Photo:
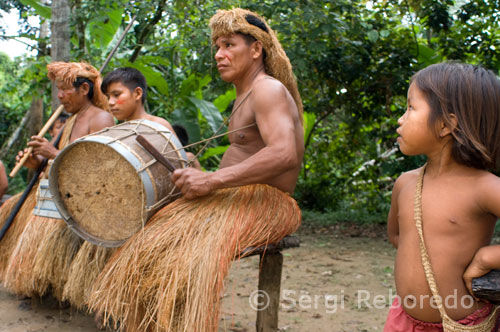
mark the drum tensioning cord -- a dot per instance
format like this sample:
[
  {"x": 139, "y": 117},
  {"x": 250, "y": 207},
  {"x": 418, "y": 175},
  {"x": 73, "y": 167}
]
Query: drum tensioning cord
[
  {"x": 28, "y": 189},
  {"x": 215, "y": 134}
]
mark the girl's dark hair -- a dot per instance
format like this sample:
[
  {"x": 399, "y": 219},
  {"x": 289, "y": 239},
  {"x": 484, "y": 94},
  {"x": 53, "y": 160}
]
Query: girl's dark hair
[
  {"x": 130, "y": 77},
  {"x": 80, "y": 80},
  {"x": 472, "y": 95}
]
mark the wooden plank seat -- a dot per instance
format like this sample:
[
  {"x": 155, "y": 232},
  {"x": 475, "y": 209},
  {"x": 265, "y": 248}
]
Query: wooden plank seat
[{"x": 271, "y": 265}]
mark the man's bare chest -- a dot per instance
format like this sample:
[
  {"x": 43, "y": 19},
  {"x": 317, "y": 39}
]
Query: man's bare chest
[{"x": 243, "y": 128}]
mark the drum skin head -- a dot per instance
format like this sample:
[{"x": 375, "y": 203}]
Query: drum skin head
[{"x": 106, "y": 184}]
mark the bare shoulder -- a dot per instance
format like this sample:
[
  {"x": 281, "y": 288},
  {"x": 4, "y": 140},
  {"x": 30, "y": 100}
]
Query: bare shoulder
[
  {"x": 270, "y": 94},
  {"x": 161, "y": 121},
  {"x": 486, "y": 182},
  {"x": 98, "y": 113},
  {"x": 406, "y": 179},
  {"x": 269, "y": 89},
  {"x": 487, "y": 191},
  {"x": 99, "y": 119}
]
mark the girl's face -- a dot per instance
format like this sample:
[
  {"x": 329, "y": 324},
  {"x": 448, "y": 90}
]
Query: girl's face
[{"x": 415, "y": 136}]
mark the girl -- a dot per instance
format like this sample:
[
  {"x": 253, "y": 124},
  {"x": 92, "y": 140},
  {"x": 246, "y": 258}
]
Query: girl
[{"x": 443, "y": 215}]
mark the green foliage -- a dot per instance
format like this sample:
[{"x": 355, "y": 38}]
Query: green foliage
[
  {"x": 40, "y": 9},
  {"x": 353, "y": 61}
]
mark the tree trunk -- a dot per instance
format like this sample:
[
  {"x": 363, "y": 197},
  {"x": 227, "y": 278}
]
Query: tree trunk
[
  {"x": 59, "y": 38},
  {"x": 35, "y": 117}
]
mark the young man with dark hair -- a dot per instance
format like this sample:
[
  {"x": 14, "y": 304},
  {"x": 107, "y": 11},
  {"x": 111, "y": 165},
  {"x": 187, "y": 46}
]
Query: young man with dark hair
[{"x": 126, "y": 89}]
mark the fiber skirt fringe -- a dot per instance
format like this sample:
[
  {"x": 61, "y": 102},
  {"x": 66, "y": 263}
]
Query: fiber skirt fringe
[
  {"x": 9, "y": 241},
  {"x": 42, "y": 258},
  {"x": 169, "y": 276},
  {"x": 85, "y": 268}
]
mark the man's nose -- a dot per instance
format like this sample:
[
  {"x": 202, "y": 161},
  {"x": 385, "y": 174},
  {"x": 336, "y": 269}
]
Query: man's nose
[
  {"x": 219, "y": 55},
  {"x": 60, "y": 94}
]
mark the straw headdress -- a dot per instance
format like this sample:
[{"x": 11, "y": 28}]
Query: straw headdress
[
  {"x": 68, "y": 72},
  {"x": 276, "y": 62}
]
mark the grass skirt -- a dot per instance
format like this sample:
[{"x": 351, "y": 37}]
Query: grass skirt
[
  {"x": 42, "y": 258},
  {"x": 169, "y": 276},
  {"x": 85, "y": 267},
  {"x": 9, "y": 241}
]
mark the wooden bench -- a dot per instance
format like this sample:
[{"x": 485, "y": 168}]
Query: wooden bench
[{"x": 271, "y": 265}]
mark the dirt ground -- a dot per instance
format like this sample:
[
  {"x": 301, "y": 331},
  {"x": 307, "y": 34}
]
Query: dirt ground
[{"x": 340, "y": 279}]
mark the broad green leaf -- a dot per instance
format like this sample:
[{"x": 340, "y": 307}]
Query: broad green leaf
[
  {"x": 427, "y": 56},
  {"x": 223, "y": 101},
  {"x": 209, "y": 112},
  {"x": 42, "y": 10},
  {"x": 309, "y": 119},
  {"x": 188, "y": 118},
  {"x": 153, "y": 78},
  {"x": 372, "y": 35},
  {"x": 218, "y": 150},
  {"x": 189, "y": 85},
  {"x": 104, "y": 28}
]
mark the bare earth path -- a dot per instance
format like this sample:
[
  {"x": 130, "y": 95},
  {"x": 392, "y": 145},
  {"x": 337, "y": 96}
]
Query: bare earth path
[{"x": 340, "y": 279}]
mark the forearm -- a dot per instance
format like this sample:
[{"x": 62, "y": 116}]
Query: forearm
[
  {"x": 4, "y": 184},
  {"x": 394, "y": 240},
  {"x": 487, "y": 258},
  {"x": 261, "y": 167}
]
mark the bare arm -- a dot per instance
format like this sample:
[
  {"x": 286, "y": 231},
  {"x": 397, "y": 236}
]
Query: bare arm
[
  {"x": 275, "y": 122},
  {"x": 392, "y": 219},
  {"x": 276, "y": 127},
  {"x": 4, "y": 184},
  {"x": 486, "y": 258}
]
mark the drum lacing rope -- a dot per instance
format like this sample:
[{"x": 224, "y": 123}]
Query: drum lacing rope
[
  {"x": 206, "y": 141},
  {"x": 215, "y": 135},
  {"x": 449, "y": 325}
]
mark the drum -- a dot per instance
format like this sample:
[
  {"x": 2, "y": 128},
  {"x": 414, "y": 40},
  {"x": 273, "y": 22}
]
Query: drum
[
  {"x": 45, "y": 206},
  {"x": 106, "y": 185}
]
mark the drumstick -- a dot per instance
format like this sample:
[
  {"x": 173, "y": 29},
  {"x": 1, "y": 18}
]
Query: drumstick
[
  {"x": 157, "y": 154},
  {"x": 42, "y": 132}
]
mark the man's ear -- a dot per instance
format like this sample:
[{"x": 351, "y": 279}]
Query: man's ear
[
  {"x": 84, "y": 88},
  {"x": 447, "y": 128},
  {"x": 138, "y": 93},
  {"x": 257, "y": 49}
]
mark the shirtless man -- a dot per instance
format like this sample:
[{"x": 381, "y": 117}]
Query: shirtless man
[
  {"x": 79, "y": 92},
  {"x": 271, "y": 151}
]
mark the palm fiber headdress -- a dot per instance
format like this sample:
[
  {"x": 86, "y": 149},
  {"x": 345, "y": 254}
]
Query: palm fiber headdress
[
  {"x": 277, "y": 64},
  {"x": 68, "y": 72}
]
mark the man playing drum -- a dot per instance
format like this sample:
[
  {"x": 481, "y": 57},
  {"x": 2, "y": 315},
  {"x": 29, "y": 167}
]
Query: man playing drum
[
  {"x": 126, "y": 89},
  {"x": 41, "y": 242},
  {"x": 169, "y": 277}
]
